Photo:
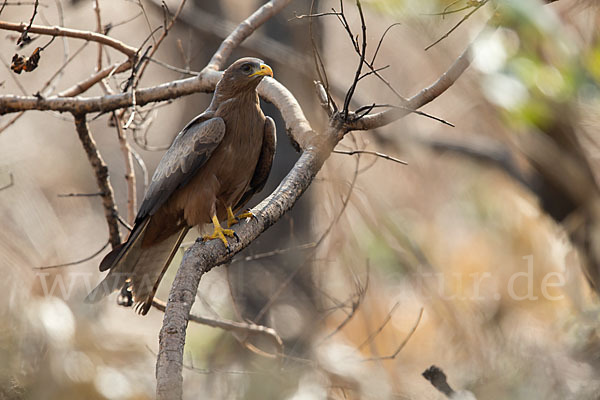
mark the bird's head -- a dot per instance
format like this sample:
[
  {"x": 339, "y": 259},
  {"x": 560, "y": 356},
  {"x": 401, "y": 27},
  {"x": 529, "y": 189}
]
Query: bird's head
[{"x": 246, "y": 73}]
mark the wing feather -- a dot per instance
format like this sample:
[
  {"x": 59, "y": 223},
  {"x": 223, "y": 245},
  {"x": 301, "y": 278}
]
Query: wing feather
[{"x": 190, "y": 150}]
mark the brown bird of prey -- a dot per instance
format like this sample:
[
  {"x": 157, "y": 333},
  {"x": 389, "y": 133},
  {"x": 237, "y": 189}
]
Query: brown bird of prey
[{"x": 214, "y": 166}]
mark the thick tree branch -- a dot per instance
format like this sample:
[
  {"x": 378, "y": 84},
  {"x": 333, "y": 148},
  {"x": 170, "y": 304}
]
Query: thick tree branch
[
  {"x": 202, "y": 257},
  {"x": 101, "y": 172},
  {"x": 205, "y": 82},
  {"x": 245, "y": 29}
]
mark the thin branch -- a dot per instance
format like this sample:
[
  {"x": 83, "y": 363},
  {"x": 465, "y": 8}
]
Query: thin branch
[
  {"x": 10, "y": 183},
  {"x": 271, "y": 253},
  {"x": 241, "y": 328},
  {"x": 404, "y": 342},
  {"x": 186, "y": 71},
  {"x": 362, "y": 53},
  {"x": 99, "y": 30},
  {"x": 61, "y": 70},
  {"x": 360, "y": 295},
  {"x": 374, "y": 334},
  {"x": 129, "y": 171},
  {"x": 140, "y": 162},
  {"x": 314, "y": 15},
  {"x": 84, "y": 85},
  {"x": 323, "y": 83},
  {"x": 22, "y": 3},
  {"x": 466, "y": 17},
  {"x": 373, "y": 153},
  {"x": 101, "y": 172},
  {"x": 73, "y": 33},
  {"x": 88, "y": 258},
  {"x": 24, "y": 38},
  {"x": 12, "y": 121},
  {"x": 124, "y": 223},
  {"x": 79, "y": 194},
  {"x": 152, "y": 31},
  {"x": 381, "y": 41},
  {"x": 424, "y": 96},
  {"x": 160, "y": 39}
]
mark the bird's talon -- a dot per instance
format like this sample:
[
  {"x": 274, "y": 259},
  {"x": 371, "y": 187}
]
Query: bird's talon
[
  {"x": 236, "y": 236},
  {"x": 246, "y": 214},
  {"x": 220, "y": 233}
]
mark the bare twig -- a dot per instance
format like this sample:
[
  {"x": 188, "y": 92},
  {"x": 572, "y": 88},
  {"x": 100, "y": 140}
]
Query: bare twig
[
  {"x": 459, "y": 23},
  {"x": 381, "y": 41},
  {"x": 10, "y": 183},
  {"x": 374, "y": 334},
  {"x": 79, "y": 194},
  {"x": 241, "y": 328},
  {"x": 12, "y": 121},
  {"x": 75, "y": 262},
  {"x": 124, "y": 223},
  {"x": 61, "y": 70},
  {"x": 140, "y": 161},
  {"x": 362, "y": 54},
  {"x": 373, "y": 153},
  {"x": 360, "y": 295},
  {"x": 84, "y": 85},
  {"x": 74, "y": 33},
  {"x": 152, "y": 31},
  {"x": 101, "y": 172},
  {"x": 271, "y": 253},
  {"x": 404, "y": 342},
  {"x": 24, "y": 38},
  {"x": 160, "y": 39},
  {"x": 129, "y": 172}
]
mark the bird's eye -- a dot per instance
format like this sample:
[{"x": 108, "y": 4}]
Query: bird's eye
[{"x": 246, "y": 68}]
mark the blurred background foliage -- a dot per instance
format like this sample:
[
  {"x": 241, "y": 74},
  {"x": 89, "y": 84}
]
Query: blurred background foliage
[{"x": 474, "y": 257}]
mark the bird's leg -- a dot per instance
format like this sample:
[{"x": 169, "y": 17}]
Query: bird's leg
[
  {"x": 232, "y": 219},
  {"x": 219, "y": 232}
]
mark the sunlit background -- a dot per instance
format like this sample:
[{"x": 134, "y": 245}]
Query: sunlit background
[{"x": 466, "y": 258}]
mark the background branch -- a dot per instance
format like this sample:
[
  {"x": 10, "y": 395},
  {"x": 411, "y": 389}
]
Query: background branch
[{"x": 101, "y": 172}]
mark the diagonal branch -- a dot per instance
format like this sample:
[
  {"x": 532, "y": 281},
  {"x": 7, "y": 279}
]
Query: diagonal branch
[
  {"x": 101, "y": 172},
  {"x": 424, "y": 96},
  {"x": 202, "y": 257},
  {"x": 245, "y": 29}
]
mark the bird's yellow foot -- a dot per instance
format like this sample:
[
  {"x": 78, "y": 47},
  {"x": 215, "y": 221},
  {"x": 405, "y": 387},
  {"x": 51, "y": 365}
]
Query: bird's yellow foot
[
  {"x": 219, "y": 232},
  {"x": 232, "y": 219}
]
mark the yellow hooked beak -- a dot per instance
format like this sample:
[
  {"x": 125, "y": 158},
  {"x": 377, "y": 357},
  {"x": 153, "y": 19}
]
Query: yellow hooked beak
[{"x": 264, "y": 70}]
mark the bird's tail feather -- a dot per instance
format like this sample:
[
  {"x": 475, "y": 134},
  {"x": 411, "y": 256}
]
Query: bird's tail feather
[
  {"x": 121, "y": 261},
  {"x": 151, "y": 266},
  {"x": 140, "y": 268}
]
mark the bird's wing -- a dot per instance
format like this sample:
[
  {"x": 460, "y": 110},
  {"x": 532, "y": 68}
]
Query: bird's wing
[
  {"x": 190, "y": 150},
  {"x": 265, "y": 161}
]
